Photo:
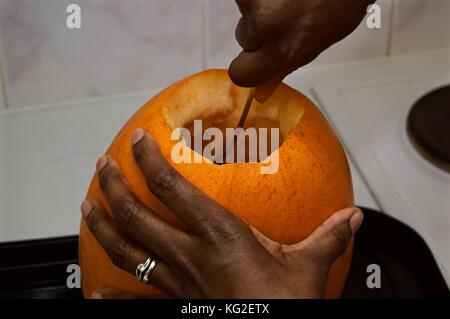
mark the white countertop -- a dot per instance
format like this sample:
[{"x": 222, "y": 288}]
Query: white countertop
[{"x": 47, "y": 158}]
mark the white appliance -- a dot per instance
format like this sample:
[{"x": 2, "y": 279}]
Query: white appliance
[{"x": 368, "y": 104}]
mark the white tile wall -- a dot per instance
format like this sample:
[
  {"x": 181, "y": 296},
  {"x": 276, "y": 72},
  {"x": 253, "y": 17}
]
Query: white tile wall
[
  {"x": 363, "y": 43},
  {"x": 135, "y": 45},
  {"x": 223, "y": 17},
  {"x": 421, "y": 25},
  {"x": 122, "y": 46}
]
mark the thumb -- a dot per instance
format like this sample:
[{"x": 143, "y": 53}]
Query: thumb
[
  {"x": 330, "y": 240},
  {"x": 265, "y": 90}
]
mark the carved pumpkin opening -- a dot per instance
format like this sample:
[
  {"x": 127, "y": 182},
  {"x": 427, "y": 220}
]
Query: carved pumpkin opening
[{"x": 214, "y": 104}]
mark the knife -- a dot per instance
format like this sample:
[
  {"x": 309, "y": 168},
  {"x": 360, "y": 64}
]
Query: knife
[
  {"x": 245, "y": 111},
  {"x": 248, "y": 103}
]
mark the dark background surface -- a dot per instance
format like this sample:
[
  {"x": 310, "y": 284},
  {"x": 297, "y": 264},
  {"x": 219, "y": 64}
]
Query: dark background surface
[{"x": 37, "y": 269}]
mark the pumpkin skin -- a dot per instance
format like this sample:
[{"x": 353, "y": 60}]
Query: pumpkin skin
[{"x": 313, "y": 180}]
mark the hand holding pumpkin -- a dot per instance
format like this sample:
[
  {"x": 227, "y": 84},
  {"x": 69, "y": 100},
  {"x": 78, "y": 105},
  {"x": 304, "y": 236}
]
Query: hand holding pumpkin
[
  {"x": 219, "y": 256},
  {"x": 278, "y": 37}
]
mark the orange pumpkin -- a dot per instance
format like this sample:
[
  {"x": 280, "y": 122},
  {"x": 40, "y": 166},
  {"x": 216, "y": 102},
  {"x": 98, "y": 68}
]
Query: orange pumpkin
[{"x": 313, "y": 180}]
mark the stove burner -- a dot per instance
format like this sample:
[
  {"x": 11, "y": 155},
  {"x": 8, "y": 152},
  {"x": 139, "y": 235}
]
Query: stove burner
[{"x": 429, "y": 127}]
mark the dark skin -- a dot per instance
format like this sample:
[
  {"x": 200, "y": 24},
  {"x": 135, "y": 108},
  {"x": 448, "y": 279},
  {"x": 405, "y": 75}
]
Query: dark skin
[
  {"x": 278, "y": 37},
  {"x": 219, "y": 256}
]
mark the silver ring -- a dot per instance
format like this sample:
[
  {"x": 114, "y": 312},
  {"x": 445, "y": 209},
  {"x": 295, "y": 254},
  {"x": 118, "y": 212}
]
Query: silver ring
[
  {"x": 141, "y": 268},
  {"x": 148, "y": 273},
  {"x": 144, "y": 270}
]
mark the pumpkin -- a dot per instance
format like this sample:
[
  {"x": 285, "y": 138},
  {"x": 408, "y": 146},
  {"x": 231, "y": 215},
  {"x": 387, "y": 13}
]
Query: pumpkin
[{"x": 312, "y": 182}]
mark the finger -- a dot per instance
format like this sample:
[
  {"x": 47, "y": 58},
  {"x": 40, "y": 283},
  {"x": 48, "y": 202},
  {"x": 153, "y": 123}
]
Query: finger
[
  {"x": 136, "y": 219},
  {"x": 246, "y": 37},
  {"x": 192, "y": 206},
  {"x": 330, "y": 240},
  {"x": 251, "y": 69},
  {"x": 123, "y": 252},
  {"x": 109, "y": 293},
  {"x": 245, "y": 5},
  {"x": 264, "y": 91}
]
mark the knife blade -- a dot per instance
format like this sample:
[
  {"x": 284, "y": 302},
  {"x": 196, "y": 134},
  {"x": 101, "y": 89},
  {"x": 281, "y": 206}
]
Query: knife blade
[
  {"x": 230, "y": 144},
  {"x": 248, "y": 103}
]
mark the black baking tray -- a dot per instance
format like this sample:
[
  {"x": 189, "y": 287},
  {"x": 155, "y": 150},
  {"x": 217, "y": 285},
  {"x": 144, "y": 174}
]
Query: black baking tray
[{"x": 37, "y": 269}]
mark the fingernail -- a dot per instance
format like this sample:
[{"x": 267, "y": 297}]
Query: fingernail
[
  {"x": 356, "y": 221},
  {"x": 86, "y": 208},
  {"x": 137, "y": 136},
  {"x": 101, "y": 162},
  {"x": 96, "y": 295}
]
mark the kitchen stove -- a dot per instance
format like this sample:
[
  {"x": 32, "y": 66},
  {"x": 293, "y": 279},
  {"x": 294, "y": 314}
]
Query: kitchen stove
[
  {"x": 429, "y": 127},
  {"x": 368, "y": 104}
]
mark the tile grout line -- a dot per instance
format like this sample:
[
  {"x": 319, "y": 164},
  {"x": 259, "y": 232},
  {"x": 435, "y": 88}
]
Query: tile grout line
[
  {"x": 3, "y": 92},
  {"x": 390, "y": 38},
  {"x": 205, "y": 34}
]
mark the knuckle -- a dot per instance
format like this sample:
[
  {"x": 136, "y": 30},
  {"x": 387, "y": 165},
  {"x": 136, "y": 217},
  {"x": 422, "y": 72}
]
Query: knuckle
[
  {"x": 219, "y": 234},
  {"x": 106, "y": 176},
  {"x": 216, "y": 235},
  {"x": 187, "y": 261},
  {"x": 127, "y": 215},
  {"x": 120, "y": 254},
  {"x": 93, "y": 222},
  {"x": 193, "y": 268},
  {"x": 140, "y": 152},
  {"x": 300, "y": 54},
  {"x": 222, "y": 232},
  {"x": 164, "y": 183},
  {"x": 289, "y": 54},
  {"x": 341, "y": 238},
  {"x": 188, "y": 256}
]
